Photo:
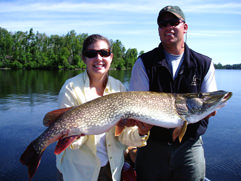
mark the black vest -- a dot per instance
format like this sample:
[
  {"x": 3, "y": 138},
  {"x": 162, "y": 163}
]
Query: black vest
[{"x": 189, "y": 80}]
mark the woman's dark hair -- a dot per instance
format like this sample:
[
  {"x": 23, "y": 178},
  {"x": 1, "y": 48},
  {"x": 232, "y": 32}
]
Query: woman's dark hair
[{"x": 92, "y": 39}]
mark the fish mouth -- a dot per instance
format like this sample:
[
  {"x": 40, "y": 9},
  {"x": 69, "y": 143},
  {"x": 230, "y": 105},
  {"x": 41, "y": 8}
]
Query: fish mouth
[
  {"x": 220, "y": 95},
  {"x": 227, "y": 96}
]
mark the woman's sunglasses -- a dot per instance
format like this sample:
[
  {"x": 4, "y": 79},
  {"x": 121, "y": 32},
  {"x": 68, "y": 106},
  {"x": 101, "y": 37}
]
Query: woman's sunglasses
[
  {"x": 93, "y": 53},
  {"x": 172, "y": 22}
]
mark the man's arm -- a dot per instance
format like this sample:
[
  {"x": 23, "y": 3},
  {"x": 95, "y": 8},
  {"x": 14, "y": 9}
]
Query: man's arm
[{"x": 139, "y": 80}]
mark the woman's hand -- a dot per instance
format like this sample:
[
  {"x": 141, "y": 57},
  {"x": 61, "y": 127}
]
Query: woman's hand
[{"x": 143, "y": 128}]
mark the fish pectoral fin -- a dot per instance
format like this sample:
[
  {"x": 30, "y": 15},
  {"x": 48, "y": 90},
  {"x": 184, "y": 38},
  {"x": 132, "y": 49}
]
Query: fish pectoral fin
[
  {"x": 120, "y": 126},
  {"x": 118, "y": 130},
  {"x": 179, "y": 132},
  {"x": 52, "y": 116},
  {"x": 64, "y": 143},
  {"x": 183, "y": 131},
  {"x": 176, "y": 132}
]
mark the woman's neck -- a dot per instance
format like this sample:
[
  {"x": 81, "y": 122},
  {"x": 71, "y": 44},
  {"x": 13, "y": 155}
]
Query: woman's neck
[{"x": 98, "y": 84}]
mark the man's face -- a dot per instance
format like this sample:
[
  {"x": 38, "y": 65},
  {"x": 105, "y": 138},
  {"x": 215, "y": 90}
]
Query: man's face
[{"x": 171, "y": 29}]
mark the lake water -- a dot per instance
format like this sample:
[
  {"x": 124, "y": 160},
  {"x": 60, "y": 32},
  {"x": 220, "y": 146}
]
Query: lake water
[{"x": 25, "y": 97}]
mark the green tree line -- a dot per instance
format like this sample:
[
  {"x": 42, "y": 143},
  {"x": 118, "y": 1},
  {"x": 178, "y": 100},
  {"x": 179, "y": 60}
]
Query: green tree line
[
  {"x": 234, "y": 66},
  {"x": 29, "y": 50}
]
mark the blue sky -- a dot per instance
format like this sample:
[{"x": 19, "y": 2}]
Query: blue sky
[{"x": 214, "y": 25}]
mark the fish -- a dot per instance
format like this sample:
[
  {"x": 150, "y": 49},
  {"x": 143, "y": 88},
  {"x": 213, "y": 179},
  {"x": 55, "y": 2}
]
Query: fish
[{"x": 165, "y": 110}]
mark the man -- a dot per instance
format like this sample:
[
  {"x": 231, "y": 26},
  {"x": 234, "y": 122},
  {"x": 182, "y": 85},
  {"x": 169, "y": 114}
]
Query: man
[{"x": 173, "y": 67}]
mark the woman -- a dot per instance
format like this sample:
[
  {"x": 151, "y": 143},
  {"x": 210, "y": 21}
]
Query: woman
[{"x": 95, "y": 157}]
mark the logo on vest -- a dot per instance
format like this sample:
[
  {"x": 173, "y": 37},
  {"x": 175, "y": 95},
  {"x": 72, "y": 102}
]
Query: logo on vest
[{"x": 194, "y": 80}]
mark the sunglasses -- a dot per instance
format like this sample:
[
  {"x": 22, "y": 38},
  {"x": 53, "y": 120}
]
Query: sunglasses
[
  {"x": 172, "y": 22},
  {"x": 93, "y": 53}
]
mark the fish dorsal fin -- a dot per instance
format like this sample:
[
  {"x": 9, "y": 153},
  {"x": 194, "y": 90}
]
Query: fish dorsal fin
[{"x": 52, "y": 116}]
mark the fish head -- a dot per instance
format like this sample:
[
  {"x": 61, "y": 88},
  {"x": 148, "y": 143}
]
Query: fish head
[{"x": 199, "y": 106}]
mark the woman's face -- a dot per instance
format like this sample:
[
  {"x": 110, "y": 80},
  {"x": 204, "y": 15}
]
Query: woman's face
[{"x": 98, "y": 63}]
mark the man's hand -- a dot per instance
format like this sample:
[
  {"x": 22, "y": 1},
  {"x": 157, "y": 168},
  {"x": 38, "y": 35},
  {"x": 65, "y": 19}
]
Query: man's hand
[{"x": 210, "y": 115}]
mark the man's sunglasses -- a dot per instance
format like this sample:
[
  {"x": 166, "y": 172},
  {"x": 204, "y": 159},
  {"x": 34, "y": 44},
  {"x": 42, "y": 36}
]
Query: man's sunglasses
[
  {"x": 93, "y": 53},
  {"x": 172, "y": 22}
]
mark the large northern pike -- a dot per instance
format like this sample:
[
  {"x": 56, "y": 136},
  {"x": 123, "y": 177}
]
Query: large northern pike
[{"x": 97, "y": 116}]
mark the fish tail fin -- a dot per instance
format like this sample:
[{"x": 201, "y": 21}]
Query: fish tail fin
[
  {"x": 52, "y": 116},
  {"x": 31, "y": 159},
  {"x": 64, "y": 143},
  {"x": 179, "y": 132}
]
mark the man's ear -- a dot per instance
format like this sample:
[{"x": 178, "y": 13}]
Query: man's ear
[{"x": 185, "y": 28}]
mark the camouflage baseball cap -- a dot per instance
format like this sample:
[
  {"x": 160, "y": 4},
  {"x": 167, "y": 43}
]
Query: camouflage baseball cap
[{"x": 175, "y": 10}]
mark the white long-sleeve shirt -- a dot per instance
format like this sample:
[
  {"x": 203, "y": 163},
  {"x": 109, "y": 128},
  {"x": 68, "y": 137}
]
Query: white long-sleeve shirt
[
  {"x": 140, "y": 82},
  {"x": 81, "y": 160}
]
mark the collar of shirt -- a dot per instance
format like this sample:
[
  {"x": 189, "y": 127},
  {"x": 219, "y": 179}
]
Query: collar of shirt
[
  {"x": 174, "y": 62},
  {"x": 88, "y": 94}
]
